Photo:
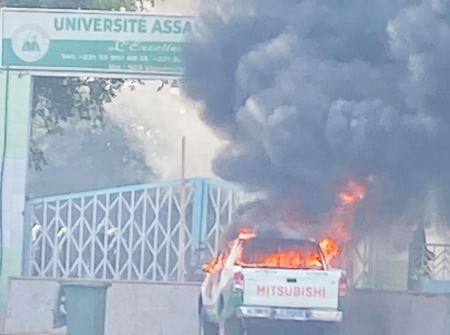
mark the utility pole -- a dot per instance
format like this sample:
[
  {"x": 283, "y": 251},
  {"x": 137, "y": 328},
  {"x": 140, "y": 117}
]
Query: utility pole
[{"x": 182, "y": 234}]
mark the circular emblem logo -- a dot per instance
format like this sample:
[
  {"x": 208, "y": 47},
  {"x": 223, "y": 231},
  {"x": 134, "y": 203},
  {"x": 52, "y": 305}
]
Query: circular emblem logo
[{"x": 30, "y": 43}]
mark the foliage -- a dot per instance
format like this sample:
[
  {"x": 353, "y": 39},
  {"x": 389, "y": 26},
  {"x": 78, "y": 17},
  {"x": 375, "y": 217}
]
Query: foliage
[
  {"x": 70, "y": 4},
  {"x": 79, "y": 4},
  {"x": 56, "y": 100},
  {"x": 61, "y": 101}
]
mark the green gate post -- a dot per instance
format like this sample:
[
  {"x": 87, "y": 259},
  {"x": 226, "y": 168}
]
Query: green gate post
[
  {"x": 15, "y": 111},
  {"x": 85, "y": 307}
]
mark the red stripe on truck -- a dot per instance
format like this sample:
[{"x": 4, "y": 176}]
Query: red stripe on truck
[{"x": 290, "y": 291}]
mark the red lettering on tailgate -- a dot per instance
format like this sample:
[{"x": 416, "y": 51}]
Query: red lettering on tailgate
[
  {"x": 280, "y": 291},
  {"x": 319, "y": 292},
  {"x": 260, "y": 290},
  {"x": 273, "y": 290},
  {"x": 290, "y": 291}
]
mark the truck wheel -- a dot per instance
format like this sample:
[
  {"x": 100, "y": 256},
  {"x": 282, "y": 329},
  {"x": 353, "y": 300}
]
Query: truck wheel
[{"x": 231, "y": 326}]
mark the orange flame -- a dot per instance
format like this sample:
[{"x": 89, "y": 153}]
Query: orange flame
[
  {"x": 215, "y": 265},
  {"x": 353, "y": 193},
  {"x": 246, "y": 234},
  {"x": 330, "y": 248},
  {"x": 290, "y": 259}
]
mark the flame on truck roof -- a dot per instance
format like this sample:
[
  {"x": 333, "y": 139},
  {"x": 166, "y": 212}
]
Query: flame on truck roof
[{"x": 288, "y": 256}]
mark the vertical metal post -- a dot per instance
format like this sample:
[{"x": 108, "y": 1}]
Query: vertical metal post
[
  {"x": 371, "y": 263},
  {"x": 199, "y": 224},
  {"x": 182, "y": 232},
  {"x": 3, "y": 159},
  {"x": 410, "y": 268},
  {"x": 27, "y": 247}
]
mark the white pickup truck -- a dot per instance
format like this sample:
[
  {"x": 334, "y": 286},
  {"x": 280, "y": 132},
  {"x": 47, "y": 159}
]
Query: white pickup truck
[{"x": 263, "y": 282}]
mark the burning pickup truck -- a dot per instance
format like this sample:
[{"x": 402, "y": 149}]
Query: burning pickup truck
[{"x": 258, "y": 281}]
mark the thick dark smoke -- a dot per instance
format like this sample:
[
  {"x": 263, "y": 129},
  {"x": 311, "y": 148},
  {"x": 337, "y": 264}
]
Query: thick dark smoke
[{"x": 313, "y": 93}]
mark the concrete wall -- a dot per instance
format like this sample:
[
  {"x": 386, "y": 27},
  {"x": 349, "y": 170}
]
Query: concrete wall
[
  {"x": 29, "y": 306},
  {"x": 132, "y": 308},
  {"x": 152, "y": 309},
  {"x": 374, "y": 312},
  {"x": 159, "y": 309},
  {"x": 390, "y": 275}
]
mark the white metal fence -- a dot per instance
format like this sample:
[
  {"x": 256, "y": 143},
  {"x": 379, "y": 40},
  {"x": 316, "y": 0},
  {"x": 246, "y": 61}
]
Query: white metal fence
[
  {"x": 133, "y": 233},
  {"x": 361, "y": 263},
  {"x": 129, "y": 233},
  {"x": 429, "y": 262}
]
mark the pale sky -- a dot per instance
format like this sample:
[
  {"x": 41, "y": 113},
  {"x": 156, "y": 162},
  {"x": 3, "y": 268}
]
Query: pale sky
[
  {"x": 184, "y": 7},
  {"x": 154, "y": 122}
]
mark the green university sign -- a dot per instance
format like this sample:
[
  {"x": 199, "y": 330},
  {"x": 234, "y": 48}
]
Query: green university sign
[{"x": 94, "y": 42}]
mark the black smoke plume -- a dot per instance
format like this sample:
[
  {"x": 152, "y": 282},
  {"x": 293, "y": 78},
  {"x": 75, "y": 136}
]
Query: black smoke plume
[{"x": 313, "y": 93}]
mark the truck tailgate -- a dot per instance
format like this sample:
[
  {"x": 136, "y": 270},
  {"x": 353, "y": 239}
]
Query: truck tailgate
[{"x": 291, "y": 288}]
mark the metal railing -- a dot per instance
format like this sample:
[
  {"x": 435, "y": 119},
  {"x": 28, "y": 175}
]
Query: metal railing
[
  {"x": 360, "y": 263},
  {"x": 126, "y": 233},
  {"x": 132, "y": 233},
  {"x": 429, "y": 262}
]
